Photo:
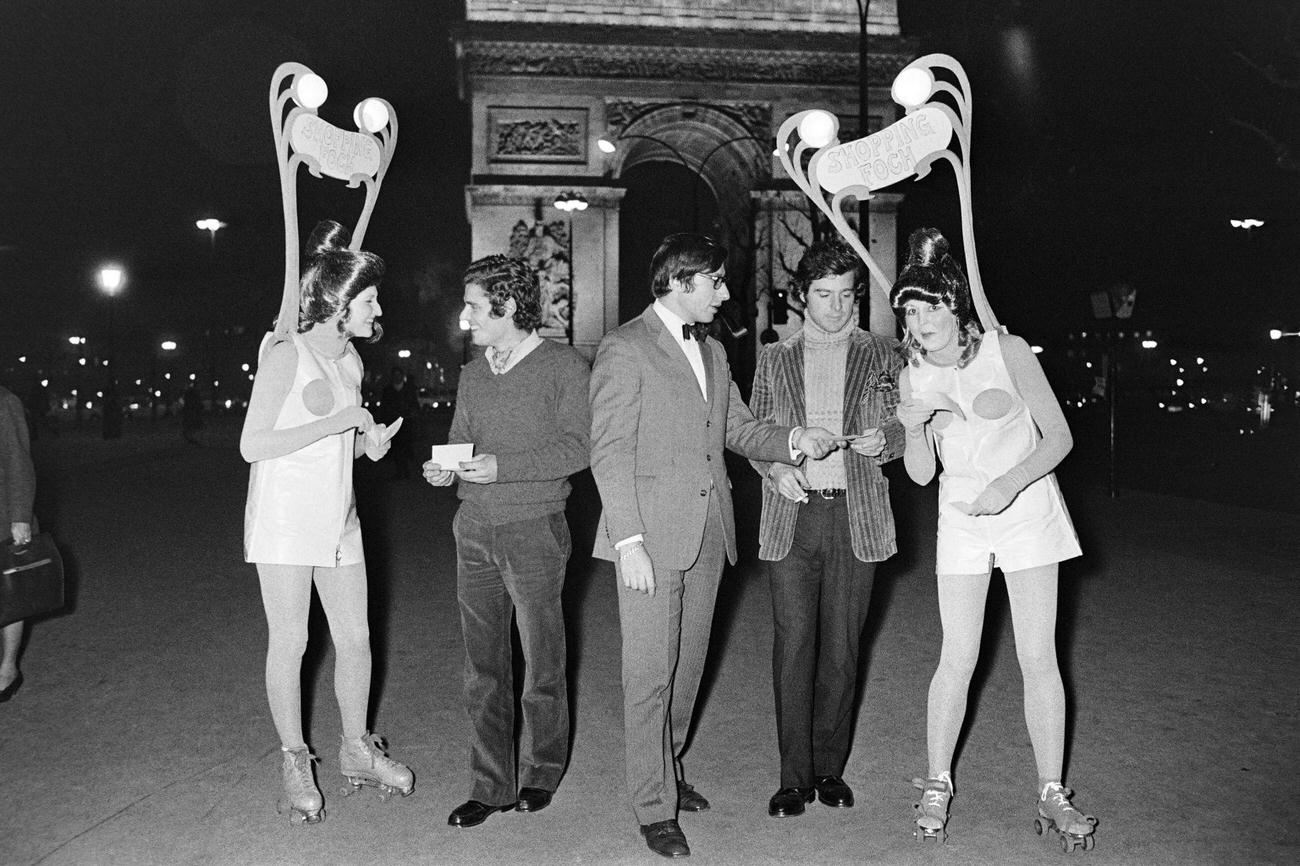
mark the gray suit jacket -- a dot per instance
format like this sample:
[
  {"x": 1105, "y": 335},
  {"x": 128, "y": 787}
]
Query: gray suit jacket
[
  {"x": 870, "y": 398},
  {"x": 656, "y": 444},
  {"x": 17, "y": 475}
]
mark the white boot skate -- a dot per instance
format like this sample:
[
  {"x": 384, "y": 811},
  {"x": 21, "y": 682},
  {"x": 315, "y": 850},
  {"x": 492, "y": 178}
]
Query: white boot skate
[
  {"x": 932, "y": 811},
  {"x": 364, "y": 762},
  {"x": 1073, "y": 828},
  {"x": 301, "y": 798}
]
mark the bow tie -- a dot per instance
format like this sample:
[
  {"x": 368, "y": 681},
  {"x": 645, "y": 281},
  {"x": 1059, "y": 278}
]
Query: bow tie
[{"x": 699, "y": 331}]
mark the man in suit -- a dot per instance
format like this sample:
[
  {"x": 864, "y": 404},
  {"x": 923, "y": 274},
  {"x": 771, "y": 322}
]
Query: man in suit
[
  {"x": 826, "y": 524},
  {"x": 663, "y": 408}
]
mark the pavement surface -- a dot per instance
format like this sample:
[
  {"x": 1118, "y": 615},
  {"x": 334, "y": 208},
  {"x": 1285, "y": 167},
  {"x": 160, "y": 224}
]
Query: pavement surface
[{"x": 142, "y": 736}]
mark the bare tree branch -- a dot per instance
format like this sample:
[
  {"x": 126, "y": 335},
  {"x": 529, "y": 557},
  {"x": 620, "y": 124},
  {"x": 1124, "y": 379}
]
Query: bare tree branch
[{"x": 1282, "y": 155}]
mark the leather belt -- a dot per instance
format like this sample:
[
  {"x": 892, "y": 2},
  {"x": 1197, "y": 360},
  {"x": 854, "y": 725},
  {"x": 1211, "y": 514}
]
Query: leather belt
[{"x": 828, "y": 493}]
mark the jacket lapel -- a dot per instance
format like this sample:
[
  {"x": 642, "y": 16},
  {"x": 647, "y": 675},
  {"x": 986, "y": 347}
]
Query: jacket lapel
[
  {"x": 855, "y": 373},
  {"x": 676, "y": 357},
  {"x": 794, "y": 373}
]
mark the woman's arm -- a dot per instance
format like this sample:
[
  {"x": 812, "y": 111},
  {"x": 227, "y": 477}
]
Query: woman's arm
[
  {"x": 260, "y": 440},
  {"x": 918, "y": 445},
  {"x": 1027, "y": 375}
]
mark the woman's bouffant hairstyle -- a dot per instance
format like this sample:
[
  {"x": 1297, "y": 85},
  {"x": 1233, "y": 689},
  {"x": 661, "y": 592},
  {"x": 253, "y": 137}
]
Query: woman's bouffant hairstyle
[
  {"x": 681, "y": 256},
  {"x": 828, "y": 257},
  {"x": 932, "y": 276},
  {"x": 502, "y": 278},
  {"x": 334, "y": 275}
]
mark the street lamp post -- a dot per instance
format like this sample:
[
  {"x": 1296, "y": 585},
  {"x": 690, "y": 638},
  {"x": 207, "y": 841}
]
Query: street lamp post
[
  {"x": 111, "y": 279},
  {"x": 211, "y": 225},
  {"x": 569, "y": 201}
]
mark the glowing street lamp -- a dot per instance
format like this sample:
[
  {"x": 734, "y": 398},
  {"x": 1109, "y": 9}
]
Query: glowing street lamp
[
  {"x": 111, "y": 280},
  {"x": 1275, "y": 334},
  {"x": 570, "y": 202}
]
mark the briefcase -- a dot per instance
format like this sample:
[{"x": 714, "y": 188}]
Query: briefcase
[{"x": 32, "y": 579}]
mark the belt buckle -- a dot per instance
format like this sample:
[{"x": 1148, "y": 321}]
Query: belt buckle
[{"x": 828, "y": 493}]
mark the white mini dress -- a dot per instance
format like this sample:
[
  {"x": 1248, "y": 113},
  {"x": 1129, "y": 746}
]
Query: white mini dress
[
  {"x": 301, "y": 509},
  {"x": 996, "y": 435}
]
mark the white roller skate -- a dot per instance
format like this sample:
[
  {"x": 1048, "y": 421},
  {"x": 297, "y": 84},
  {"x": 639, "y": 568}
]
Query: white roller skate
[
  {"x": 1073, "y": 828},
  {"x": 364, "y": 761},
  {"x": 301, "y": 797},
  {"x": 932, "y": 811}
]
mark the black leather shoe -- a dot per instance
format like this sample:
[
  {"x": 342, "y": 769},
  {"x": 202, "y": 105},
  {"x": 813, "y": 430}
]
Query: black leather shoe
[
  {"x": 533, "y": 799},
  {"x": 832, "y": 791},
  {"x": 473, "y": 813},
  {"x": 12, "y": 689},
  {"x": 689, "y": 799},
  {"x": 788, "y": 802},
  {"x": 666, "y": 838}
]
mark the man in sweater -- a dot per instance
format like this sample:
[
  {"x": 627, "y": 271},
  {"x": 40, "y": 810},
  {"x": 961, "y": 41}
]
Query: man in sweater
[
  {"x": 523, "y": 405},
  {"x": 826, "y": 524}
]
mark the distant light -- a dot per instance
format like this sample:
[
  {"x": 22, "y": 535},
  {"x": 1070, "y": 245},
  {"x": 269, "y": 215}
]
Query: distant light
[
  {"x": 192, "y": 377},
  {"x": 210, "y": 225},
  {"x": 22, "y": 359},
  {"x": 311, "y": 90},
  {"x": 137, "y": 381},
  {"x": 1037, "y": 350},
  {"x": 912, "y": 87},
  {"x": 77, "y": 340},
  {"x": 1087, "y": 365},
  {"x": 435, "y": 404},
  {"x": 167, "y": 376},
  {"x": 605, "y": 145},
  {"x": 134, "y": 406},
  {"x": 168, "y": 345},
  {"x": 45, "y": 383},
  {"x": 244, "y": 367},
  {"x": 1246, "y": 223},
  {"x": 570, "y": 201},
  {"x": 1178, "y": 382},
  {"x": 1200, "y": 360},
  {"x": 1173, "y": 362},
  {"x": 428, "y": 365},
  {"x": 817, "y": 129},
  {"x": 229, "y": 403},
  {"x": 81, "y": 361},
  {"x": 157, "y": 393},
  {"x": 371, "y": 115},
  {"x": 99, "y": 394},
  {"x": 74, "y": 392},
  {"x": 1275, "y": 334},
  {"x": 1149, "y": 344},
  {"x": 90, "y": 404},
  {"x": 111, "y": 278}
]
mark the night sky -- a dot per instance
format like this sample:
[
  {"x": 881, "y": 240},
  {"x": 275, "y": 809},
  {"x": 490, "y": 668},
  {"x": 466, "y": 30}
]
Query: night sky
[{"x": 1108, "y": 147}]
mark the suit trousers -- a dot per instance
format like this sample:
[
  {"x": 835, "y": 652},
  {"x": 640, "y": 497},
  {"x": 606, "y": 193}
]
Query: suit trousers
[
  {"x": 820, "y": 593},
  {"x": 513, "y": 568},
  {"x": 665, "y": 641}
]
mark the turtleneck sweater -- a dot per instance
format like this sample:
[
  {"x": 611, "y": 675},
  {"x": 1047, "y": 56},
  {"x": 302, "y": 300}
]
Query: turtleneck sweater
[{"x": 825, "y": 356}]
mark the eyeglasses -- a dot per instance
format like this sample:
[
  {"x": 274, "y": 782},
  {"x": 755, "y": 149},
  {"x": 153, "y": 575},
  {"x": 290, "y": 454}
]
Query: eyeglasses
[{"x": 720, "y": 280}]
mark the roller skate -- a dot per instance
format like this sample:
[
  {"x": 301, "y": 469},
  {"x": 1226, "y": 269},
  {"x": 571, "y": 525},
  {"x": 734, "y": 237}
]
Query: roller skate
[
  {"x": 1073, "y": 828},
  {"x": 932, "y": 811},
  {"x": 301, "y": 797},
  {"x": 364, "y": 761}
]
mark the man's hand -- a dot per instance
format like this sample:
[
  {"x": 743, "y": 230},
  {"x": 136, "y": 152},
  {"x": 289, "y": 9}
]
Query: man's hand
[
  {"x": 436, "y": 475},
  {"x": 816, "y": 442},
  {"x": 635, "y": 568},
  {"x": 870, "y": 444},
  {"x": 790, "y": 482},
  {"x": 479, "y": 470}
]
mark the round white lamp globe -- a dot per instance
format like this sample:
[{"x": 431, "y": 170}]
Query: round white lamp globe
[
  {"x": 817, "y": 129},
  {"x": 312, "y": 90},
  {"x": 370, "y": 115},
  {"x": 912, "y": 87}
]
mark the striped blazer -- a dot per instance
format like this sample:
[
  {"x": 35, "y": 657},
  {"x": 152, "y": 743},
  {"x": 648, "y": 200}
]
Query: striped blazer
[{"x": 870, "y": 399}]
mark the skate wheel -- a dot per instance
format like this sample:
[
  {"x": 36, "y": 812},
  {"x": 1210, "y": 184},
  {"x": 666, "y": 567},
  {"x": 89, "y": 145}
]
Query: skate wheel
[
  {"x": 1038, "y": 826},
  {"x": 1088, "y": 843},
  {"x": 1067, "y": 844}
]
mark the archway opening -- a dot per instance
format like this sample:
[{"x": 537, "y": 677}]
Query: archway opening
[{"x": 662, "y": 198}]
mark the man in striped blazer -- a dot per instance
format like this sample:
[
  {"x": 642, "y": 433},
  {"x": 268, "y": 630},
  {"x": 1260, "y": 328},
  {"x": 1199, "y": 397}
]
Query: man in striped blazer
[{"x": 825, "y": 524}]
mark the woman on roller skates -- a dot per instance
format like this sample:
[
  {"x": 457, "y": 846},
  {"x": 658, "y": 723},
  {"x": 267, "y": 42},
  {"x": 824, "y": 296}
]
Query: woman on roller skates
[
  {"x": 305, "y": 426},
  {"x": 983, "y": 401}
]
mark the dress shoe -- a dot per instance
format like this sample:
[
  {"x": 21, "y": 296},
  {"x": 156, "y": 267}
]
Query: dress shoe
[
  {"x": 533, "y": 799},
  {"x": 788, "y": 802},
  {"x": 12, "y": 689},
  {"x": 472, "y": 813},
  {"x": 689, "y": 799},
  {"x": 832, "y": 791},
  {"x": 666, "y": 838}
]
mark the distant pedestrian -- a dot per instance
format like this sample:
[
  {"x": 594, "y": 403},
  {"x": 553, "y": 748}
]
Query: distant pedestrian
[
  {"x": 983, "y": 401},
  {"x": 398, "y": 400},
  {"x": 17, "y": 497},
  {"x": 305, "y": 426},
  {"x": 192, "y": 414},
  {"x": 523, "y": 406},
  {"x": 825, "y": 524}
]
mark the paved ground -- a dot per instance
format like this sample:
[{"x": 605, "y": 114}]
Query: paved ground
[{"x": 142, "y": 736}]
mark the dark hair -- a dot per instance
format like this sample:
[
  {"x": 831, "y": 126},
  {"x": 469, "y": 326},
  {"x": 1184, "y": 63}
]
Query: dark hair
[
  {"x": 502, "y": 278},
  {"x": 334, "y": 276},
  {"x": 682, "y": 256},
  {"x": 932, "y": 276},
  {"x": 828, "y": 257}
]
